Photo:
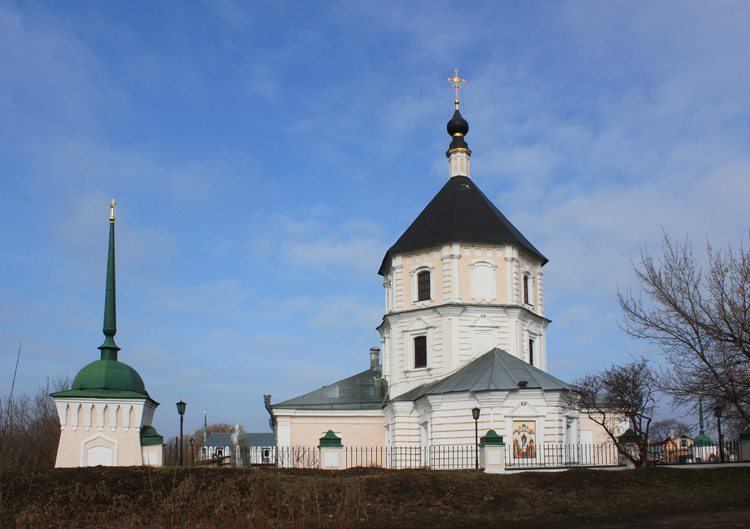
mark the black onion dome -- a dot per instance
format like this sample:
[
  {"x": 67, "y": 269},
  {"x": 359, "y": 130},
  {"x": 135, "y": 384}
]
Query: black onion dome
[{"x": 458, "y": 125}]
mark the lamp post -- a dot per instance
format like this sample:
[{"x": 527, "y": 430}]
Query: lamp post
[
  {"x": 181, "y": 410},
  {"x": 192, "y": 455},
  {"x": 717, "y": 412},
  {"x": 475, "y": 413}
]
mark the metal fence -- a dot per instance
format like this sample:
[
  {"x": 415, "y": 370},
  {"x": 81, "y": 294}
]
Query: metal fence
[
  {"x": 457, "y": 457},
  {"x": 673, "y": 454},
  {"x": 558, "y": 455},
  {"x": 442, "y": 457}
]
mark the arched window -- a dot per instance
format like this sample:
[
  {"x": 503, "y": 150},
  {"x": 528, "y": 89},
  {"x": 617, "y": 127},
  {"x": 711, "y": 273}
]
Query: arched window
[
  {"x": 423, "y": 285},
  {"x": 420, "y": 351}
]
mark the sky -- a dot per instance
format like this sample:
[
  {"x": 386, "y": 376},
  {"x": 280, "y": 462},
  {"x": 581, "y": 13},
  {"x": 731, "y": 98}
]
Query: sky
[{"x": 265, "y": 155}]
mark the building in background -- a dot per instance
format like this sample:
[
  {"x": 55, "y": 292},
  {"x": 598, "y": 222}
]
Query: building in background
[{"x": 240, "y": 449}]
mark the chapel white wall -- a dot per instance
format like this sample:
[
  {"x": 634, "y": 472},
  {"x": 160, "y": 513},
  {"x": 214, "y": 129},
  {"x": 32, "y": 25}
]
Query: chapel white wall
[{"x": 104, "y": 432}]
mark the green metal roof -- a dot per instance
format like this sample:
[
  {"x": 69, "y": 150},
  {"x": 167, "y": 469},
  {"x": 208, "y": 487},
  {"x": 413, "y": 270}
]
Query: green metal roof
[
  {"x": 492, "y": 439},
  {"x": 330, "y": 439},
  {"x": 628, "y": 437},
  {"x": 109, "y": 374},
  {"x": 150, "y": 437},
  {"x": 363, "y": 391},
  {"x": 703, "y": 440},
  {"x": 107, "y": 379}
]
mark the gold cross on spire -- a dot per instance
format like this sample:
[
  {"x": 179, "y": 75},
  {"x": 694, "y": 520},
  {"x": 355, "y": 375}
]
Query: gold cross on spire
[
  {"x": 112, "y": 210},
  {"x": 456, "y": 80}
]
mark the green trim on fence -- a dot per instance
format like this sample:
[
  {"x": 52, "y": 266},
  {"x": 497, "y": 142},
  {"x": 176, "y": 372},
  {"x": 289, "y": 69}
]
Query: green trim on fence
[
  {"x": 330, "y": 439},
  {"x": 491, "y": 439}
]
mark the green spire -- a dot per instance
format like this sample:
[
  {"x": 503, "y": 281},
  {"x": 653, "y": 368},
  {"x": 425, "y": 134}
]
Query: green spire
[
  {"x": 109, "y": 347},
  {"x": 702, "y": 439}
]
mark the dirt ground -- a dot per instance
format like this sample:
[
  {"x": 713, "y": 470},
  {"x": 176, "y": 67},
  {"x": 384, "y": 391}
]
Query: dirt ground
[
  {"x": 372, "y": 498},
  {"x": 726, "y": 518}
]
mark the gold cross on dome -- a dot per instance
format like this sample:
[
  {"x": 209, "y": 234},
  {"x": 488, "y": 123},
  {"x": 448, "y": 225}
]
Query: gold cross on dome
[
  {"x": 112, "y": 210},
  {"x": 456, "y": 80}
]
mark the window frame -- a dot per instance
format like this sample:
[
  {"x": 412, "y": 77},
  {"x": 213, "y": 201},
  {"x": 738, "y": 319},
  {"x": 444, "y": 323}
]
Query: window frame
[
  {"x": 528, "y": 292},
  {"x": 419, "y": 346},
  {"x": 531, "y": 351},
  {"x": 414, "y": 273},
  {"x": 424, "y": 285},
  {"x": 418, "y": 328},
  {"x": 526, "y": 289}
]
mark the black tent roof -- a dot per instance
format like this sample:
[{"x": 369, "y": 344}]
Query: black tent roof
[{"x": 460, "y": 212}]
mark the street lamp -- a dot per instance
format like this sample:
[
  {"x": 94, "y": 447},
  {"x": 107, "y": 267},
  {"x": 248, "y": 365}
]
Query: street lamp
[
  {"x": 475, "y": 413},
  {"x": 717, "y": 412},
  {"x": 192, "y": 455},
  {"x": 181, "y": 410}
]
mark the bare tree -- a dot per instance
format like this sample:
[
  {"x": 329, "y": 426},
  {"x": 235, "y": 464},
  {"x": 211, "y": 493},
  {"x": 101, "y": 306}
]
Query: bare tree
[
  {"x": 666, "y": 428},
  {"x": 701, "y": 321},
  {"x": 620, "y": 394},
  {"x": 30, "y": 431}
]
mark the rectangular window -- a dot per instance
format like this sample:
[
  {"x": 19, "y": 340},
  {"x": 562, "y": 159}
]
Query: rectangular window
[
  {"x": 526, "y": 289},
  {"x": 420, "y": 351},
  {"x": 531, "y": 352},
  {"x": 423, "y": 285}
]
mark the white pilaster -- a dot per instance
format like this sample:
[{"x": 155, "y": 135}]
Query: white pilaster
[
  {"x": 398, "y": 283},
  {"x": 511, "y": 276},
  {"x": 539, "y": 293}
]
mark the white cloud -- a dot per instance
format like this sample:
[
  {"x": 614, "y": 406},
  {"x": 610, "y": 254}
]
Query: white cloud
[
  {"x": 150, "y": 356},
  {"x": 221, "y": 296},
  {"x": 338, "y": 312}
]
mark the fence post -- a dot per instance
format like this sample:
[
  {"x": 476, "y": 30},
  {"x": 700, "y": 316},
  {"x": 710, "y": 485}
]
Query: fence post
[
  {"x": 330, "y": 451},
  {"x": 744, "y": 454},
  {"x": 492, "y": 453}
]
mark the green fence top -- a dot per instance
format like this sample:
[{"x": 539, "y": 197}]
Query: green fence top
[
  {"x": 628, "y": 437},
  {"x": 492, "y": 439},
  {"x": 330, "y": 439}
]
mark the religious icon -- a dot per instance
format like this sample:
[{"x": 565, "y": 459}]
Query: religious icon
[{"x": 524, "y": 439}]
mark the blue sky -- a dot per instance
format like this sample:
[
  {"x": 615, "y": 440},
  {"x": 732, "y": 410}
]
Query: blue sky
[{"x": 265, "y": 155}]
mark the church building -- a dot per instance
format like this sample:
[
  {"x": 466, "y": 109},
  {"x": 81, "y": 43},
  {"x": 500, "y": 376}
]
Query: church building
[
  {"x": 464, "y": 328},
  {"x": 105, "y": 418}
]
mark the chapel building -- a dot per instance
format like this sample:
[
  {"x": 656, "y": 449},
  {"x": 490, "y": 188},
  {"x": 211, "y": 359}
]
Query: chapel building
[
  {"x": 106, "y": 416},
  {"x": 464, "y": 327}
]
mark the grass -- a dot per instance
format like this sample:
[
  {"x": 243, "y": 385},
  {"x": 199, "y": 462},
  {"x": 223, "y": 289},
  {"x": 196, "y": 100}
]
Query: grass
[{"x": 363, "y": 497}]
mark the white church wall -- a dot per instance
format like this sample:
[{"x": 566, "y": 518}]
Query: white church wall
[
  {"x": 456, "y": 335},
  {"x": 109, "y": 424},
  {"x": 403, "y": 423},
  {"x": 450, "y": 421},
  {"x": 465, "y": 273}
]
